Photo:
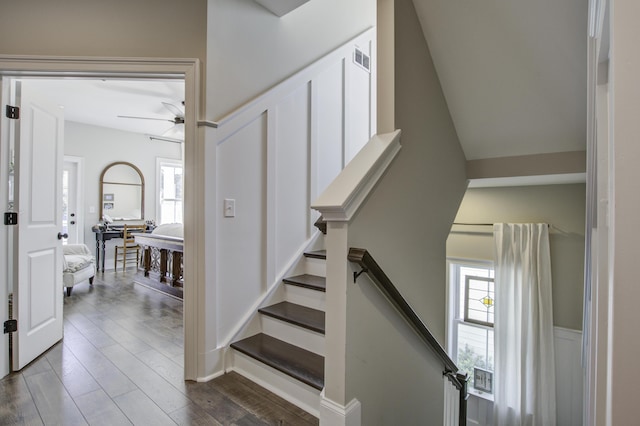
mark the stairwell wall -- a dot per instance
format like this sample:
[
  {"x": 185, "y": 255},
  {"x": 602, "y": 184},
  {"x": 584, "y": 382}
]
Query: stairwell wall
[{"x": 404, "y": 224}]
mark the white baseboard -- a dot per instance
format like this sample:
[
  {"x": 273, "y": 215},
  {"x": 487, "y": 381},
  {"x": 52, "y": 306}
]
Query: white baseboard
[
  {"x": 212, "y": 365},
  {"x": 334, "y": 414}
]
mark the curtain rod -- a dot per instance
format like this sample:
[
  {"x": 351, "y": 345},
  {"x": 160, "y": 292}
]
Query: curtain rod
[
  {"x": 549, "y": 225},
  {"x": 481, "y": 224}
]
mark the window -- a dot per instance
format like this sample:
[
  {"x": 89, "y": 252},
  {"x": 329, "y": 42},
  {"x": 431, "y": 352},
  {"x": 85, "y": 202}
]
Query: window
[
  {"x": 169, "y": 191},
  {"x": 471, "y": 326}
]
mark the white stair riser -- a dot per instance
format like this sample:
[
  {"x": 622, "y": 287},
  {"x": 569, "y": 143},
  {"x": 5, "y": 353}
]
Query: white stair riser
[
  {"x": 316, "y": 267},
  {"x": 305, "y": 297},
  {"x": 292, "y": 390},
  {"x": 293, "y": 334}
]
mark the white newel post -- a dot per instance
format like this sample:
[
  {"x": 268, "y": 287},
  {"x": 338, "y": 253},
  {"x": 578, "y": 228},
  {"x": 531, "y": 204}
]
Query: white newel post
[
  {"x": 337, "y": 204},
  {"x": 334, "y": 409}
]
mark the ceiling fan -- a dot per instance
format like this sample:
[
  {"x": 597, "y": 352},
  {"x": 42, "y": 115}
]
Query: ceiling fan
[{"x": 173, "y": 134}]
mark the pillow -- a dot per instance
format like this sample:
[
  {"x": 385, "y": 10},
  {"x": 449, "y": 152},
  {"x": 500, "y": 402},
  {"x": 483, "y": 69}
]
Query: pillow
[{"x": 75, "y": 262}]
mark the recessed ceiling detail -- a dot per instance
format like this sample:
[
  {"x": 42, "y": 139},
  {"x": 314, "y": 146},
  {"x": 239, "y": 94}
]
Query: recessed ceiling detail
[{"x": 281, "y": 7}]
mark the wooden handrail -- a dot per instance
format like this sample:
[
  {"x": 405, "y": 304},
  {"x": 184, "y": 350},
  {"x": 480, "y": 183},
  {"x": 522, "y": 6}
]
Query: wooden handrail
[{"x": 384, "y": 284}]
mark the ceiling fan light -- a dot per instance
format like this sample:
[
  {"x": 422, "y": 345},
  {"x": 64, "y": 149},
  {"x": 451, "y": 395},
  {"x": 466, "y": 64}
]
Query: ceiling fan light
[{"x": 175, "y": 132}]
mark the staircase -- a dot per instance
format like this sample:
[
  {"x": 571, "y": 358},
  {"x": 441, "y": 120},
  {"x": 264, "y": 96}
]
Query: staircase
[{"x": 287, "y": 357}]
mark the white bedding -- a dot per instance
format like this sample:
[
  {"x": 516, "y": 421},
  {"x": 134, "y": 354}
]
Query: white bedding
[{"x": 169, "y": 230}]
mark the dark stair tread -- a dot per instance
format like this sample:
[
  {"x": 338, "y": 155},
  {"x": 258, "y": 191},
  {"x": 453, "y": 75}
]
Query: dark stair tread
[
  {"x": 316, "y": 254},
  {"x": 294, "y": 361},
  {"x": 311, "y": 319},
  {"x": 321, "y": 224},
  {"x": 313, "y": 282}
]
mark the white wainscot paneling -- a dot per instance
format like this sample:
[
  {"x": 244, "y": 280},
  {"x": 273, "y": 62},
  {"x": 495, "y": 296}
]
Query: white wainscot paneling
[
  {"x": 568, "y": 347},
  {"x": 328, "y": 134},
  {"x": 479, "y": 411},
  {"x": 274, "y": 156},
  {"x": 292, "y": 140},
  {"x": 240, "y": 165}
]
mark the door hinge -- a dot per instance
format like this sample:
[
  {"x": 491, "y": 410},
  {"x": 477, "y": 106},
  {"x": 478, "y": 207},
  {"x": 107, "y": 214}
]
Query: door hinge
[
  {"x": 10, "y": 326},
  {"x": 10, "y": 218},
  {"x": 13, "y": 112}
]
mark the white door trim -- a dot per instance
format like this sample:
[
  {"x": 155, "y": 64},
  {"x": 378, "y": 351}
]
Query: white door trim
[
  {"x": 4, "y": 234},
  {"x": 195, "y": 327}
]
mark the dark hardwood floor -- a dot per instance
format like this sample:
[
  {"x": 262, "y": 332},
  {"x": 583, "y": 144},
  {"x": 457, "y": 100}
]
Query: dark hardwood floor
[{"x": 121, "y": 363}]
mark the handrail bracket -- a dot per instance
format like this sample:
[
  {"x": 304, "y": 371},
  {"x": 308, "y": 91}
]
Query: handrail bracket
[{"x": 357, "y": 274}]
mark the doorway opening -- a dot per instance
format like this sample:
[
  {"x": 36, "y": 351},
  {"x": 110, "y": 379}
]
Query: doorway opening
[{"x": 136, "y": 71}]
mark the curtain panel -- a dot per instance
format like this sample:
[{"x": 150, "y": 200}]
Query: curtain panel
[{"x": 524, "y": 365}]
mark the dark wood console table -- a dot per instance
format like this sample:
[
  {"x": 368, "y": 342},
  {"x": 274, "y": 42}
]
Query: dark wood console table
[{"x": 102, "y": 236}]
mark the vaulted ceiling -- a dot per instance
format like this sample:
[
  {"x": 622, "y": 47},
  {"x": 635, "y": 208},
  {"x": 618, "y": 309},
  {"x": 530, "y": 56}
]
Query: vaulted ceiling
[
  {"x": 102, "y": 103},
  {"x": 513, "y": 72}
]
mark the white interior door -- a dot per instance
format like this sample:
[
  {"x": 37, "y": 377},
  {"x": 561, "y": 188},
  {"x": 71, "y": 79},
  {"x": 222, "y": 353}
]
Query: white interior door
[
  {"x": 38, "y": 293},
  {"x": 71, "y": 219}
]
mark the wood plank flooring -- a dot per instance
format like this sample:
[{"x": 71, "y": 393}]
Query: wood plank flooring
[{"x": 121, "y": 363}]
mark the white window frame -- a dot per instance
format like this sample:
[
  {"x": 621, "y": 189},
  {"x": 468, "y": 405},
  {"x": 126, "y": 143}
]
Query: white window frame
[
  {"x": 453, "y": 316},
  {"x": 159, "y": 163}
]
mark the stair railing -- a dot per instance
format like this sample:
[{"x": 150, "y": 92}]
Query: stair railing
[{"x": 369, "y": 266}]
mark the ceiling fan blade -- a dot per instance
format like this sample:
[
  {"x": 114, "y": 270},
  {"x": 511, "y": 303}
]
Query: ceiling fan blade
[
  {"x": 174, "y": 109},
  {"x": 146, "y": 118}
]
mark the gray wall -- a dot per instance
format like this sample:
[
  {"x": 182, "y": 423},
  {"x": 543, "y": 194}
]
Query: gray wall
[
  {"x": 404, "y": 224},
  {"x": 560, "y": 205},
  {"x": 114, "y": 28},
  {"x": 149, "y": 28}
]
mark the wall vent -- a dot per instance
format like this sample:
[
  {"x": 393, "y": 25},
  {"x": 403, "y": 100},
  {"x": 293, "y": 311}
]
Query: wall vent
[{"x": 362, "y": 59}]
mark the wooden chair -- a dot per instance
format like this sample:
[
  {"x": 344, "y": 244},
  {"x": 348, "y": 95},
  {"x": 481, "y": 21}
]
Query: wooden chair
[{"x": 125, "y": 253}]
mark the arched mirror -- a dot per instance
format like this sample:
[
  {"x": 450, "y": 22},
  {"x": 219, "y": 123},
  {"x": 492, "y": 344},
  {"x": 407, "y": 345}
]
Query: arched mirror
[{"x": 122, "y": 192}]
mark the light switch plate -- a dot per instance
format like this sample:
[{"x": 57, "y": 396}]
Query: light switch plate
[{"x": 229, "y": 207}]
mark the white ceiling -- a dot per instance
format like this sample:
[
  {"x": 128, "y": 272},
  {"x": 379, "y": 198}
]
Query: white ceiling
[
  {"x": 513, "y": 72},
  {"x": 100, "y": 102}
]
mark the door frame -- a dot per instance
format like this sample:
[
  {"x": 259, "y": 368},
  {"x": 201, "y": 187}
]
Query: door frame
[
  {"x": 5, "y": 275},
  {"x": 195, "y": 327}
]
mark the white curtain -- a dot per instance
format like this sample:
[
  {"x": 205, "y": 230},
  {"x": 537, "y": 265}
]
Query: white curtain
[{"x": 525, "y": 390}]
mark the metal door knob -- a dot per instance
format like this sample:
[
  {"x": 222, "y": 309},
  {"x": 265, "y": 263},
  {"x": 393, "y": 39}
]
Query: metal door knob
[{"x": 61, "y": 235}]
